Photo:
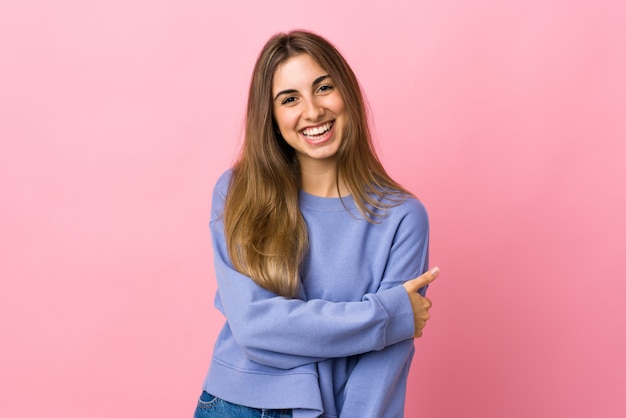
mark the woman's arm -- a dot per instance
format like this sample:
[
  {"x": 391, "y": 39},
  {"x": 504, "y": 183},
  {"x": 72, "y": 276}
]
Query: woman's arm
[
  {"x": 377, "y": 385},
  {"x": 286, "y": 333}
]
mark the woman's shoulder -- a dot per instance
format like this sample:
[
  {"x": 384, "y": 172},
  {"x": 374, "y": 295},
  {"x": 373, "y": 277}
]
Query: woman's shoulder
[
  {"x": 220, "y": 189},
  {"x": 223, "y": 183},
  {"x": 404, "y": 204}
]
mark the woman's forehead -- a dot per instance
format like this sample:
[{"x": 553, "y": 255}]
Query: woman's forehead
[{"x": 299, "y": 70}]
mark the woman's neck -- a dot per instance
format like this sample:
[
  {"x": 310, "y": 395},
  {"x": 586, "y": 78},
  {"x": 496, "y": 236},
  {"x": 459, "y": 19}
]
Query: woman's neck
[{"x": 321, "y": 180}]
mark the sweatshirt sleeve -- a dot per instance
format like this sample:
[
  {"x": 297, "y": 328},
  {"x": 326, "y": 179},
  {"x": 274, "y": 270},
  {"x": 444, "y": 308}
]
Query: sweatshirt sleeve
[
  {"x": 286, "y": 333},
  {"x": 377, "y": 385},
  {"x": 389, "y": 368}
]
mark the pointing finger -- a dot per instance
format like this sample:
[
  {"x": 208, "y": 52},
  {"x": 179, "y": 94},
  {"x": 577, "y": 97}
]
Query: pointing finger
[{"x": 421, "y": 281}]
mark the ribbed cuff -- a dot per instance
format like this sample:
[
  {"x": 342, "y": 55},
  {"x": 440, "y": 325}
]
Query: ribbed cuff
[{"x": 397, "y": 306}]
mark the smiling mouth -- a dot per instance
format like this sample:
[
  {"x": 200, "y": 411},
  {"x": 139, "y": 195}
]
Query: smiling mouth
[{"x": 317, "y": 132}]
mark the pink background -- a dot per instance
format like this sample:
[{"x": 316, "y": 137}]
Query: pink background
[{"x": 507, "y": 118}]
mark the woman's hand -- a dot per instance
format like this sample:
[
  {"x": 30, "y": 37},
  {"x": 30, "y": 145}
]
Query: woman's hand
[{"x": 420, "y": 304}]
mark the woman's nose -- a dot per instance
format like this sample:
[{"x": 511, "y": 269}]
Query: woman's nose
[{"x": 313, "y": 111}]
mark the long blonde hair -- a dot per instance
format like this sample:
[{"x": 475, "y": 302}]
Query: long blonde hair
[{"x": 265, "y": 232}]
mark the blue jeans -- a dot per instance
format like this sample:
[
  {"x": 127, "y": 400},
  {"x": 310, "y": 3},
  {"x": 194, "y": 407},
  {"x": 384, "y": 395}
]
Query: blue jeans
[{"x": 210, "y": 406}]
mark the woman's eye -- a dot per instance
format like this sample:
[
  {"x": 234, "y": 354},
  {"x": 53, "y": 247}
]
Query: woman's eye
[
  {"x": 325, "y": 88},
  {"x": 288, "y": 100}
]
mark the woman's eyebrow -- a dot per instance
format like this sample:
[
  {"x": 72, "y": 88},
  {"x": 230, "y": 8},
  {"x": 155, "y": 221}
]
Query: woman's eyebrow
[
  {"x": 285, "y": 92},
  {"x": 315, "y": 82},
  {"x": 320, "y": 79}
]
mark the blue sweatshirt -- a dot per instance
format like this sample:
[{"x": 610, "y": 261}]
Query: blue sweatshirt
[{"x": 343, "y": 348}]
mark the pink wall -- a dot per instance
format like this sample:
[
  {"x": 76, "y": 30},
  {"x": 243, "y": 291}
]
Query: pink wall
[{"x": 508, "y": 119}]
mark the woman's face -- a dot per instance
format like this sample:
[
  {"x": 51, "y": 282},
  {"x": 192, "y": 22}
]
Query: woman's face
[{"x": 309, "y": 110}]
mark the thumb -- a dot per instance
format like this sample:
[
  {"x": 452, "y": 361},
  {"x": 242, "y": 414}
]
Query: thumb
[{"x": 415, "y": 284}]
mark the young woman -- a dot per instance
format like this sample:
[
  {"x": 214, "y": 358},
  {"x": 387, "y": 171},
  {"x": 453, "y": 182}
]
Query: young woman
[{"x": 315, "y": 248}]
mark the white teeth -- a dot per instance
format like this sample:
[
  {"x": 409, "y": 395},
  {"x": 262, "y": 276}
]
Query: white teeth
[{"x": 317, "y": 130}]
